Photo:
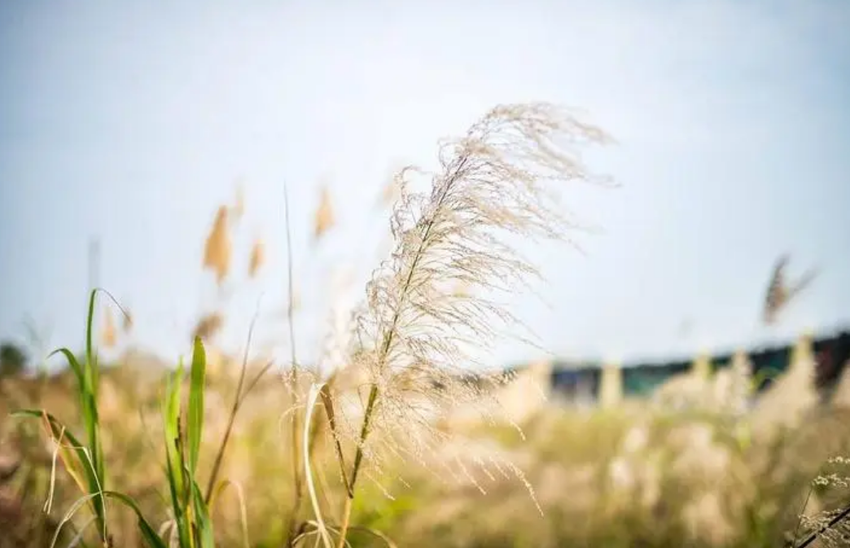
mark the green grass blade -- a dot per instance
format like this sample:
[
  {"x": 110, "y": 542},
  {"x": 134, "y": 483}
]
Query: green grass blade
[
  {"x": 88, "y": 406},
  {"x": 88, "y": 396},
  {"x": 196, "y": 404},
  {"x": 73, "y": 363},
  {"x": 205, "y": 534},
  {"x": 148, "y": 532},
  {"x": 173, "y": 455},
  {"x": 57, "y": 429},
  {"x": 88, "y": 402},
  {"x": 93, "y": 486},
  {"x": 91, "y": 366}
]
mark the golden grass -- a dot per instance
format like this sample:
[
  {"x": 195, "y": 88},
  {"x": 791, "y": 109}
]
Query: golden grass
[
  {"x": 208, "y": 326},
  {"x": 629, "y": 475},
  {"x": 258, "y": 258},
  {"x": 323, "y": 219},
  {"x": 217, "y": 250}
]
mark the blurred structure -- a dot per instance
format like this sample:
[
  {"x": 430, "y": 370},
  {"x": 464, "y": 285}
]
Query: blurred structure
[
  {"x": 780, "y": 292},
  {"x": 611, "y": 388},
  {"x": 720, "y": 379}
]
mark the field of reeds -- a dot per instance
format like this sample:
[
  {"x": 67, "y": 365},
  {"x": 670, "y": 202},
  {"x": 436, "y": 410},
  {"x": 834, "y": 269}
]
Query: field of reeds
[{"x": 395, "y": 438}]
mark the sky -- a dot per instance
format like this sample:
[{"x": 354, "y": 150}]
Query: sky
[{"x": 130, "y": 123}]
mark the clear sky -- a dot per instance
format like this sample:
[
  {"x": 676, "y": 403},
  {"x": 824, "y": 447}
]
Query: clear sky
[{"x": 132, "y": 122}]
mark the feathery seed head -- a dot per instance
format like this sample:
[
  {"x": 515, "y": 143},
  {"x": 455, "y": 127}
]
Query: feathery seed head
[{"x": 416, "y": 329}]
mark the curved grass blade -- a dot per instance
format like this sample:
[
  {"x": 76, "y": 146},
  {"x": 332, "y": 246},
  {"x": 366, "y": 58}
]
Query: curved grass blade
[
  {"x": 150, "y": 536},
  {"x": 91, "y": 486}
]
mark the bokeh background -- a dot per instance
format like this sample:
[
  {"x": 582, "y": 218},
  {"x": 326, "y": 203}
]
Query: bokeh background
[{"x": 124, "y": 128}]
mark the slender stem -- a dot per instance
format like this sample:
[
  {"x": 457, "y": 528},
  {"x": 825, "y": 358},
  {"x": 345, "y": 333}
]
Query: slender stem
[
  {"x": 385, "y": 348},
  {"x": 237, "y": 404},
  {"x": 802, "y": 511},
  {"x": 364, "y": 432},
  {"x": 388, "y": 339},
  {"x": 293, "y": 384},
  {"x": 346, "y": 519},
  {"x": 832, "y": 523},
  {"x": 327, "y": 401}
]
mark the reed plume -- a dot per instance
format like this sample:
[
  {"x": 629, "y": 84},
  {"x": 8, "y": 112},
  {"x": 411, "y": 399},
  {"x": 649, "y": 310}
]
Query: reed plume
[
  {"x": 208, "y": 326},
  {"x": 258, "y": 258},
  {"x": 324, "y": 217},
  {"x": 217, "y": 249},
  {"x": 416, "y": 330}
]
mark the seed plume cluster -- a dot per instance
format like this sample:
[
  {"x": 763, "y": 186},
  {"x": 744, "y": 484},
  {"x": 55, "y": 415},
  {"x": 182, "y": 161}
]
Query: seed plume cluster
[{"x": 416, "y": 330}]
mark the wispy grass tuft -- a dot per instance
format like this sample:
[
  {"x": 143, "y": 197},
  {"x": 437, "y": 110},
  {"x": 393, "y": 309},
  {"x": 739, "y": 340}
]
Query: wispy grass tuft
[{"x": 416, "y": 330}]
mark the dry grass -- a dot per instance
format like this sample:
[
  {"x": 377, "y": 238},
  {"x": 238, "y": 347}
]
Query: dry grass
[
  {"x": 324, "y": 219},
  {"x": 217, "y": 250},
  {"x": 382, "y": 459},
  {"x": 620, "y": 478},
  {"x": 258, "y": 258}
]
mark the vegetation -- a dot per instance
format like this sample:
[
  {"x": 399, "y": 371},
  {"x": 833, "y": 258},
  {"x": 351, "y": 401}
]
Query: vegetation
[{"x": 325, "y": 457}]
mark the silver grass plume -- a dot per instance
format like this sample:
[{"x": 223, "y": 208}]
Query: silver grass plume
[{"x": 415, "y": 329}]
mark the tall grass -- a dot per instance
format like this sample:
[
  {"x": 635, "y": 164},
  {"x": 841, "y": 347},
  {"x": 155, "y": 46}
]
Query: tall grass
[
  {"x": 429, "y": 308},
  {"x": 190, "y": 524}
]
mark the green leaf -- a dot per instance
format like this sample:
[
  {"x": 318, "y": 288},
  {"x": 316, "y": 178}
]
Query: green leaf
[
  {"x": 72, "y": 362},
  {"x": 206, "y": 536},
  {"x": 173, "y": 455},
  {"x": 91, "y": 366},
  {"x": 150, "y": 536},
  {"x": 196, "y": 404},
  {"x": 88, "y": 408}
]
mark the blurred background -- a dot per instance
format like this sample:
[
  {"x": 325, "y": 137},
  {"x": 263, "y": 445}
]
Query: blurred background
[{"x": 151, "y": 150}]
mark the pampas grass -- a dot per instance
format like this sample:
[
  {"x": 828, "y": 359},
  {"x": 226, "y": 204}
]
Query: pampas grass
[
  {"x": 415, "y": 331},
  {"x": 393, "y": 373}
]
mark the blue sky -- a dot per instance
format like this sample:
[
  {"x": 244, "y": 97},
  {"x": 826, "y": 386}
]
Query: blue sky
[{"x": 132, "y": 122}]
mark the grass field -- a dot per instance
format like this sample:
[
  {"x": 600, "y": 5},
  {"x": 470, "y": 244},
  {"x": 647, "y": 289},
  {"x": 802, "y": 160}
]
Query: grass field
[{"x": 397, "y": 444}]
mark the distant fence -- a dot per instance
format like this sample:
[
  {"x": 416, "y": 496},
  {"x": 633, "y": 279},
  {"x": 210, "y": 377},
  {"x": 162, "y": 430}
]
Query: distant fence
[{"x": 597, "y": 382}]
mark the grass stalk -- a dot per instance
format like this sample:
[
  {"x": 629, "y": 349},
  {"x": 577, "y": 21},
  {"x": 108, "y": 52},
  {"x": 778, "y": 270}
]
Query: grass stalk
[
  {"x": 293, "y": 381},
  {"x": 385, "y": 348},
  {"x": 237, "y": 403}
]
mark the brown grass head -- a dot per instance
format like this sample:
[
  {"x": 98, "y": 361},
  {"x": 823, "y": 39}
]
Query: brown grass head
[
  {"x": 217, "y": 250},
  {"x": 323, "y": 220},
  {"x": 258, "y": 258},
  {"x": 208, "y": 326}
]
